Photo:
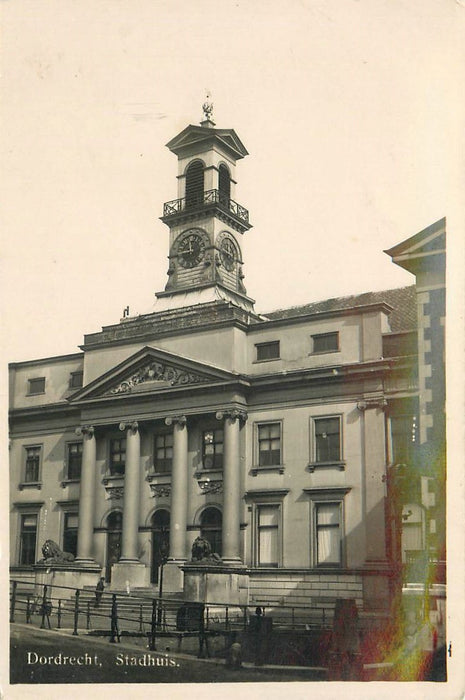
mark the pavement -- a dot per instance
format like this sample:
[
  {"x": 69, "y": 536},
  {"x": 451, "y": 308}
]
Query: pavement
[{"x": 56, "y": 656}]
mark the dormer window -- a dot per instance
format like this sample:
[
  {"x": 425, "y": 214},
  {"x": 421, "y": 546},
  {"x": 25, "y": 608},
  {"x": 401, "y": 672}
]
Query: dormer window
[
  {"x": 325, "y": 342},
  {"x": 194, "y": 184},
  {"x": 36, "y": 386}
]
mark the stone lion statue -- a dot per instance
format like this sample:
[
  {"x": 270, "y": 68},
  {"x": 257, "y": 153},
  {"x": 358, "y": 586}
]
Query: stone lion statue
[
  {"x": 53, "y": 554},
  {"x": 202, "y": 552}
]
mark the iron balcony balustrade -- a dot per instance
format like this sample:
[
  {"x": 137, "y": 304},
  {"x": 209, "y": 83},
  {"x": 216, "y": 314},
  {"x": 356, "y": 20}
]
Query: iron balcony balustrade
[{"x": 210, "y": 197}]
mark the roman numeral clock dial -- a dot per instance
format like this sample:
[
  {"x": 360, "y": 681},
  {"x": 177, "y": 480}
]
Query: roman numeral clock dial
[{"x": 191, "y": 250}]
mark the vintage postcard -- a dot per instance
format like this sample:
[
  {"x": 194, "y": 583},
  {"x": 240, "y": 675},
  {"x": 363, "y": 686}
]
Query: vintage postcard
[{"x": 233, "y": 274}]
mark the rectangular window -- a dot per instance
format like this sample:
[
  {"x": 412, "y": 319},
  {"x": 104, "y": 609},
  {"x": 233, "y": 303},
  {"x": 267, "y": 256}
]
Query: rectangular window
[
  {"x": 328, "y": 533},
  {"x": 70, "y": 533},
  {"x": 32, "y": 467},
  {"x": 74, "y": 458},
  {"x": 268, "y": 517},
  {"x": 267, "y": 351},
  {"x": 36, "y": 386},
  {"x": 117, "y": 456},
  {"x": 75, "y": 380},
  {"x": 28, "y": 539},
  {"x": 325, "y": 342},
  {"x": 212, "y": 449},
  {"x": 269, "y": 444},
  {"x": 163, "y": 461},
  {"x": 327, "y": 439}
]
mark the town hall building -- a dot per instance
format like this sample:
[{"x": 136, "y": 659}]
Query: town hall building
[{"x": 271, "y": 436}]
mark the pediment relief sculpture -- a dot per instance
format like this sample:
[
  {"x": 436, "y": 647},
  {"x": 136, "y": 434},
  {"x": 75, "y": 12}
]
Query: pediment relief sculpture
[{"x": 156, "y": 375}]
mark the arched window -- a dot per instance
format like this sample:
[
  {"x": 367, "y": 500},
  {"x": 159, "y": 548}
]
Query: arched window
[
  {"x": 194, "y": 184},
  {"x": 160, "y": 525},
  {"x": 224, "y": 184},
  {"x": 211, "y": 525}
]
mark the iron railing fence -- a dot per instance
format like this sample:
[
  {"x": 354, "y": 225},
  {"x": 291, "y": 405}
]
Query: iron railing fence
[
  {"x": 213, "y": 197},
  {"x": 75, "y": 608}
]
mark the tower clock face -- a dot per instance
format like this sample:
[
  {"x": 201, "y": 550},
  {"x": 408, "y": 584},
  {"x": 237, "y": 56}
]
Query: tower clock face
[
  {"x": 191, "y": 249},
  {"x": 228, "y": 254}
]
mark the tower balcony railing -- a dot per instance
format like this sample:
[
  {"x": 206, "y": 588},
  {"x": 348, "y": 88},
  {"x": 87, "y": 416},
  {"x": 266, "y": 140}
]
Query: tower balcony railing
[{"x": 210, "y": 197}]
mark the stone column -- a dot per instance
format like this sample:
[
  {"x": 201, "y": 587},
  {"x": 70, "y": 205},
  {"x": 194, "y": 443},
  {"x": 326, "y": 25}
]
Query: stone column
[
  {"x": 231, "y": 486},
  {"x": 129, "y": 548},
  {"x": 129, "y": 571},
  {"x": 178, "y": 517},
  {"x": 86, "y": 497},
  {"x": 173, "y": 577}
]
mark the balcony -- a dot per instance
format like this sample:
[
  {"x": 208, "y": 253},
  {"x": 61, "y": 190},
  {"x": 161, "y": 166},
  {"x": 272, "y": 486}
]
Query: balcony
[{"x": 210, "y": 198}]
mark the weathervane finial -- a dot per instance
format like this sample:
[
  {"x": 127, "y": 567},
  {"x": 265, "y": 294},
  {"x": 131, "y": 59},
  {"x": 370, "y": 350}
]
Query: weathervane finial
[{"x": 208, "y": 111}]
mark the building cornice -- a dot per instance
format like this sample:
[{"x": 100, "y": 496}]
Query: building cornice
[{"x": 47, "y": 360}]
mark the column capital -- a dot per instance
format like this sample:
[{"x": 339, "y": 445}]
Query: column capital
[
  {"x": 180, "y": 420},
  {"x": 85, "y": 430},
  {"x": 134, "y": 426},
  {"x": 234, "y": 414},
  {"x": 375, "y": 402}
]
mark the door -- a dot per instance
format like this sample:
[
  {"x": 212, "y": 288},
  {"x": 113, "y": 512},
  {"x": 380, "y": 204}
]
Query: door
[
  {"x": 114, "y": 532},
  {"x": 160, "y": 542}
]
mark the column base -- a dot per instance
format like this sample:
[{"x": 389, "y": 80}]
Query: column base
[
  {"x": 173, "y": 576},
  {"x": 236, "y": 562},
  {"x": 87, "y": 562},
  {"x": 131, "y": 573}
]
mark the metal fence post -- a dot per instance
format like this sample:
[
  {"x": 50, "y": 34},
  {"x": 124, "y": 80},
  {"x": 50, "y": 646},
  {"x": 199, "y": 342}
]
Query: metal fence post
[
  {"x": 44, "y": 603},
  {"x": 88, "y": 616},
  {"x": 153, "y": 626},
  {"x": 115, "y": 636},
  {"x": 141, "y": 627},
  {"x": 59, "y": 614},
  {"x": 76, "y": 612},
  {"x": 28, "y": 609},
  {"x": 13, "y": 602}
]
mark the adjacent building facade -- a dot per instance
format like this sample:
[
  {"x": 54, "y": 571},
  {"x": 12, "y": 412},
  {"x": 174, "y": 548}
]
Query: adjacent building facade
[{"x": 269, "y": 435}]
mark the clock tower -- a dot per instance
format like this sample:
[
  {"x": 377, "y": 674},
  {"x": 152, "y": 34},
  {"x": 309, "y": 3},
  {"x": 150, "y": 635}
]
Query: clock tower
[{"x": 206, "y": 223}]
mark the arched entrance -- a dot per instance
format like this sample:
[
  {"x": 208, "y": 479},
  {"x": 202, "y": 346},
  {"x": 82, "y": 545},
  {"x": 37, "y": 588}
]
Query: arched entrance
[
  {"x": 211, "y": 526},
  {"x": 160, "y": 525},
  {"x": 114, "y": 534}
]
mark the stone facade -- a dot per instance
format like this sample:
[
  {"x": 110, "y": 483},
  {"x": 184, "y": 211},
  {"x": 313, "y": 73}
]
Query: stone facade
[{"x": 268, "y": 435}]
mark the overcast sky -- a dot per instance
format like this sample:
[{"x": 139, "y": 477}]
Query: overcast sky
[{"x": 350, "y": 111}]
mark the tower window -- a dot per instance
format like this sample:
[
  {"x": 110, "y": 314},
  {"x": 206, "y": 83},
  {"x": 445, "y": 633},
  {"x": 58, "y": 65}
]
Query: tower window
[
  {"x": 224, "y": 184},
  {"x": 194, "y": 184}
]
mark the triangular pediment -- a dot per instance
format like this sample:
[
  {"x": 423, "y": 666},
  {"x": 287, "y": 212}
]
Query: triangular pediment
[
  {"x": 150, "y": 371},
  {"x": 202, "y": 138},
  {"x": 430, "y": 240}
]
